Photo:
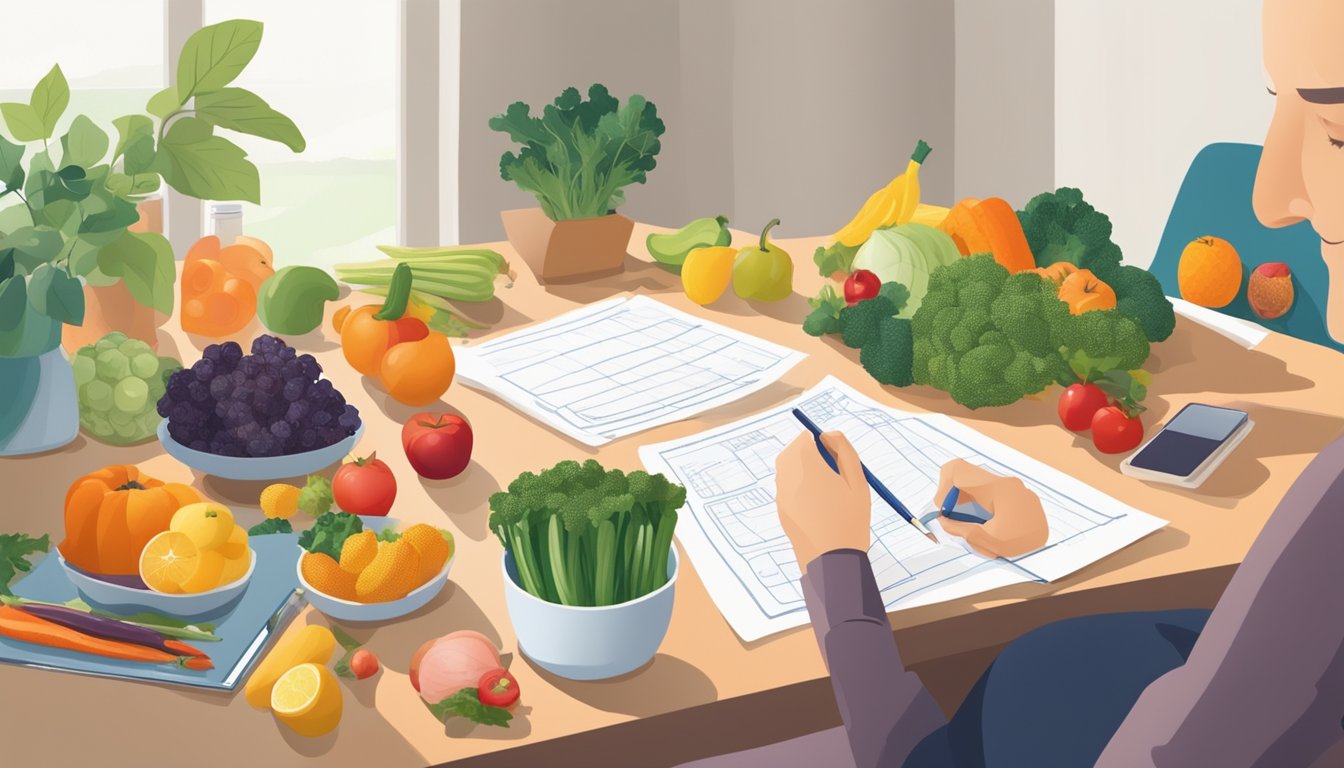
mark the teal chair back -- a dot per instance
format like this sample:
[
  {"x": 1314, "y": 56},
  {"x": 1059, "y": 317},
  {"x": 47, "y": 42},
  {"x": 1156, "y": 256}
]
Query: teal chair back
[{"x": 1215, "y": 199}]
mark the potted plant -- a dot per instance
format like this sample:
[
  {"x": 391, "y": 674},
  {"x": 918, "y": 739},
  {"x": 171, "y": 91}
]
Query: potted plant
[
  {"x": 70, "y": 234},
  {"x": 576, "y": 159},
  {"x": 589, "y": 567}
]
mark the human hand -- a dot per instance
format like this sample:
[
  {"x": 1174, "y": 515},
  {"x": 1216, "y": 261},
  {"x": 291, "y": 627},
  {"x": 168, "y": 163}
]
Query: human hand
[
  {"x": 820, "y": 510},
  {"x": 1018, "y": 525}
]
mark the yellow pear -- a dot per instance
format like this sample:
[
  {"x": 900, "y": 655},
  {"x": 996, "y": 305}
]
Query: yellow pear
[{"x": 707, "y": 272}]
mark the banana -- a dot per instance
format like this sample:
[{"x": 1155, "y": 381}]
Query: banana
[
  {"x": 906, "y": 187},
  {"x": 889, "y": 206}
]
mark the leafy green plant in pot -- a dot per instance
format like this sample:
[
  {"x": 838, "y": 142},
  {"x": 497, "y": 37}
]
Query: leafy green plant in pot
[
  {"x": 67, "y": 235},
  {"x": 589, "y": 567},
  {"x": 577, "y": 158}
]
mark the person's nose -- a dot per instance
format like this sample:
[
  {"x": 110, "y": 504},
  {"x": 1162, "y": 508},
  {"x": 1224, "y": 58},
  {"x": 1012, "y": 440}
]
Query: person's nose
[{"x": 1280, "y": 197}]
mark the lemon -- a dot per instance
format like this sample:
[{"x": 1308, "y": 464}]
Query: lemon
[
  {"x": 206, "y": 523},
  {"x": 236, "y": 544},
  {"x": 308, "y": 699},
  {"x": 209, "y": 572},
  {"x": 280, "y": 500},
  {"x": 168, "y": 561}
]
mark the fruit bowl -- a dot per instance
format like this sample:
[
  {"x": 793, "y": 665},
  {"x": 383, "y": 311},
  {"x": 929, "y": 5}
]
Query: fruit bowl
[
  {"x": 263, "y": 468},
  {"x": 350, "y": 610},
  {"x": 113, "y": 595}
]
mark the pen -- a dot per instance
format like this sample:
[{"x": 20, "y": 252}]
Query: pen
[
  {"x": 876, "y": 484},
  {"x": 973, "y": 513}
]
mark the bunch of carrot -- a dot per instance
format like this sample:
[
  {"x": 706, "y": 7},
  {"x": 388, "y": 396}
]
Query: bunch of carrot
[{"x": 58, "y": 626}]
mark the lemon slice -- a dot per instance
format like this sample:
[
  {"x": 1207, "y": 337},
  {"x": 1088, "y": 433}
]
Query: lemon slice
[
  {"x": 168, "y": 562},
  {"x": 308, "y": 700}
]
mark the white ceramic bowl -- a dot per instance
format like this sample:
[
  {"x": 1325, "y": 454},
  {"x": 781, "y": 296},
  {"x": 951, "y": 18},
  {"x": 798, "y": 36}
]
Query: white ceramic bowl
[
  {"x": 262, "y": 468},
  {"x": 349, "y": 610},
  {"x": 587, "y": 642},
  {"x": 120, "y": 597}
]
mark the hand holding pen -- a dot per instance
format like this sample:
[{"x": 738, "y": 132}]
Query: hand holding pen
[{"x": 1016, "y": 521}]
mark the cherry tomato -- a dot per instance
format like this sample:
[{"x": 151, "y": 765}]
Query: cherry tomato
[
  {"x": 861, "y": 285},
  {"x": 1114, "y": 431},
  {"x": 1078, "y": 404},
  {"x": 498, "y": 688},
  {"x": 363, "y": 664},
  {"x": 364, "y": 487}
]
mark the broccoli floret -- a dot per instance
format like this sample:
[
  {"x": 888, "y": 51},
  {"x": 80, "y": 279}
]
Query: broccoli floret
[
  {"x": 858, "y": 324},
  {"x": 1139, "y": 295},
  {"x": 1104, "y": 334},
  {"x": 888, "y": 357},
  {"x": 1062, "y": 226},
  {"x": 329, "y": 532},
  {"x": 896, "y": 293}
]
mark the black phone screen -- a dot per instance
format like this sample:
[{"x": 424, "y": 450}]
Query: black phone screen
[{"x": 1188, "y": 440}]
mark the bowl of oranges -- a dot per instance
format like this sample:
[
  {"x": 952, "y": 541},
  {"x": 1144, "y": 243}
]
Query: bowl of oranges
[
  {"x": 377, "y": 576},
  {"x": 199, "y": 565}
]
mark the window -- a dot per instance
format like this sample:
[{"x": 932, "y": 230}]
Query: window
[{"x": 331, "y": 65}]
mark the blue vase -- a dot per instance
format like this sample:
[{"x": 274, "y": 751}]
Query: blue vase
[{"x": 39, "y": 410}]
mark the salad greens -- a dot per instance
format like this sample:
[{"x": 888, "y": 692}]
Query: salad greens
[
  {"x": 15, "y": 549},
  {"x": 329, "y": 532},
  {"x": 578, "y": 155},
  {"x": 467, "y": 703},
  {"x": 270, "y": 525}
]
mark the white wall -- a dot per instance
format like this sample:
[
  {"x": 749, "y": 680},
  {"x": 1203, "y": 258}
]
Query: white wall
[{"x": 1140, "y": 88}]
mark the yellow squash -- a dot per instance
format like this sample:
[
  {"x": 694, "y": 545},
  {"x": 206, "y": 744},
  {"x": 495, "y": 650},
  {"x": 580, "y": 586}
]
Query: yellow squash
[{"x": 311, "y": 644}]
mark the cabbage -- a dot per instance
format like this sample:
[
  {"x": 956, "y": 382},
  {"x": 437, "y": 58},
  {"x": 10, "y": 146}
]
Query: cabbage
[{"x": 906, "y": 255}]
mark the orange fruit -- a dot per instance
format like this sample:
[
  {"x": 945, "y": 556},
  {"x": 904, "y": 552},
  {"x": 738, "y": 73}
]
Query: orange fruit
[
  {"x": 1083, "y": 292},
  {"x": 206, "y": 523},
  {"x": 390, "y": 575},
  {"x": 208, "y": 574},
  {"x": 433, "y": 548},
  {"x": 236, "y": 545},
  {"x": 168, "y": 561},
  {"x": 358, "y": 551},
  {"x": 280, "y": 500},
  {"x": 1209, "y": 273},
  {"x": 234, "y": 568},
  {"x": 418, "y": 372},
  {"x": 325, "y": 575}
]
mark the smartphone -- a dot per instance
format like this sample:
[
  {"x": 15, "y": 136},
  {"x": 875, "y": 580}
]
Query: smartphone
[{"x": 1190, "y": 446}]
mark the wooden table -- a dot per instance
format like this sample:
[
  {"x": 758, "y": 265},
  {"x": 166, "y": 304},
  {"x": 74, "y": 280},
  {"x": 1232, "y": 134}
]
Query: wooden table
[{"x": 706, "y": 691}]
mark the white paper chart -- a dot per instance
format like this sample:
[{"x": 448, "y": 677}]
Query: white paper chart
[
  {"x": 622, "y": 366},
  {"x": 731, "y": 530}
]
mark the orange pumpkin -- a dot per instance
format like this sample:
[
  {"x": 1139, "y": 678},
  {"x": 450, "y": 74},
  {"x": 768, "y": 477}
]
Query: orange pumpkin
[
  {"x": 1083, "y": 292},
  {"x": 111, "y": 514}
]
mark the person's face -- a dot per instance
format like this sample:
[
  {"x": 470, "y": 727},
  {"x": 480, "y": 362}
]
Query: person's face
[{"x": 1301, "y": 173}]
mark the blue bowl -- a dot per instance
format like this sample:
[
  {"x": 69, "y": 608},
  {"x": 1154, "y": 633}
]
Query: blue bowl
[{"x": 264, "y": 468}]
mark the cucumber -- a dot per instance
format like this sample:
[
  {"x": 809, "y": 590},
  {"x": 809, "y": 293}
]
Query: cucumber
[{"x": 670, "y": 249}]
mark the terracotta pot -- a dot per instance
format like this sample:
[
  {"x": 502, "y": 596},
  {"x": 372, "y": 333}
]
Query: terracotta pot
[
  {"x": 112, "y": 308},
  {"x": 570, "y": 250}
]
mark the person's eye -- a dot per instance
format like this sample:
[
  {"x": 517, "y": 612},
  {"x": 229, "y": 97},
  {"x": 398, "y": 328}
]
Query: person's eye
[{"x": 1336, "y": 143}]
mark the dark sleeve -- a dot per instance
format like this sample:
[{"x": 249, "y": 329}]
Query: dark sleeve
[
  {"x": 886, "y": 709},
  {"x": 1264, "y": 684}
]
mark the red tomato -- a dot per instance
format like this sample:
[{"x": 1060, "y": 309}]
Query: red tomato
[
  {"x": 438, "y": 445},
  {"x": 1079, "y": 403},
  {"x": 364, "y": 487},
  {"x": 1115, "y": 432},
  {"x": 861, "y": 285},
  {"x": 363, "y": 664},
  {"x": 498, "y": 688}
]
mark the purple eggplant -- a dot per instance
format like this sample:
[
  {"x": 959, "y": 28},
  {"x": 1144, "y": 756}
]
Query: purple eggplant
[{"x": 109, "y": 629}]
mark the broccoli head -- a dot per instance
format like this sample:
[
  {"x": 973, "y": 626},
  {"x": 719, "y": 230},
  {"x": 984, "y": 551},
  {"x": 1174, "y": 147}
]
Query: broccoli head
[
  {"x": 1062, "y": 226},
  {"x": 858, "y": 324},
  {"x": 1139, "y": 295},
  {"x": 985, "y": 337},
  {"x": 1106, "y": 333},
  {"x": 889, "y": 356},
  {"x": 329, "y": 532}
]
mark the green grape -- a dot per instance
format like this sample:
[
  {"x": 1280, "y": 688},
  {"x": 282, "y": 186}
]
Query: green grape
[
  {"x": 156, "y": 389},
  {"x": 89, "y": 350},
  {"x": 100, "y": 426},
  {"x": 120, "y": 418},
  {"x": 132, "y": 347},
  {"x": 85, "y": 369},
  {"x": 128, "y": 431},
  {"x": 144, "y": 365},
  {"x": 113, "y": 366},
  {"x": 105, "y": 344},
  {"x": 97, "y": 395},
  {"x": 131, "y": 394},
  {"x": 148, "y": 422}
]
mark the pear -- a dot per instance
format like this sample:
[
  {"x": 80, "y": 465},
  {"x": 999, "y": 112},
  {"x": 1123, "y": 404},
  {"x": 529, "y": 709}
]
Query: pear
[{"x": 763, "y": 272}]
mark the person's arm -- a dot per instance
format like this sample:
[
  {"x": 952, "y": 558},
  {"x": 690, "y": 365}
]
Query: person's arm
[
  {"x": 886, "y": 709},
  {"x": 1264, "y": 684}
]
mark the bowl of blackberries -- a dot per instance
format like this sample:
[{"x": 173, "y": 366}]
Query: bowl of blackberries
[{"x": 260, "y": 416}]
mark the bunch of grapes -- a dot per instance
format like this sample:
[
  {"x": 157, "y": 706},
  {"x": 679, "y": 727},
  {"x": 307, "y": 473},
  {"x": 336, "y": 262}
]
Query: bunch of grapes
[
  {"x": 119, "y": 379},
  {"x": 269, "y": 403}
]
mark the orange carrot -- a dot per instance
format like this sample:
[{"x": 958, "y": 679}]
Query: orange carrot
[{"x": 21, "y": 625}]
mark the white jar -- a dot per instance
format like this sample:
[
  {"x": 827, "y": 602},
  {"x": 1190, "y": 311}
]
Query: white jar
[{"x": 226, "y": 222}]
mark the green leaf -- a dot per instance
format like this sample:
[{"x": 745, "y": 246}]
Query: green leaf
[
  {"x": 32, "y": 246},
  {"x": 164, "y": 103},
  {"x": 84, "y": 144},
  {"x": 15, "y": 549},
  {"x": 41, "y": 162},
  {"x": 117, "y": 213},
  {"x": 130, "y": 127},
  {"x": 387, "y": 534},
  {"x": 203, "y": 166},
  {"x": 57, "y": 295},
  {"x": 350, "y": 645},
  {"x": 84, "y": 262},
  {"x": 23, "y": 121},
  {"x": 241, "y": 110},
  {"x": 50, "y": 98},
  {"x": 13, "y": 302},
  {"x": 6, "y": 264},
  {"x": 213, "y": 56},
  {"x": 11, "y": 167},
  {"x": 269, "y": 526},
  {"x": 139, "y": 184},
  {"x": 144, "y": 262},
  {"x": 69, "y": 183},
  {"x": 467, "y": 703}
]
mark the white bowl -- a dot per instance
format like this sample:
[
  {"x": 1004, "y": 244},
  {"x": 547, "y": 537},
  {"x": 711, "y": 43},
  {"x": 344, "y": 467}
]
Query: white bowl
[
  {"x": 117, "y": 596},
  {"x": 589, "y": 642},
  {"x": 349, "y": 610},
  {"x": 258, "y": 468}
]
